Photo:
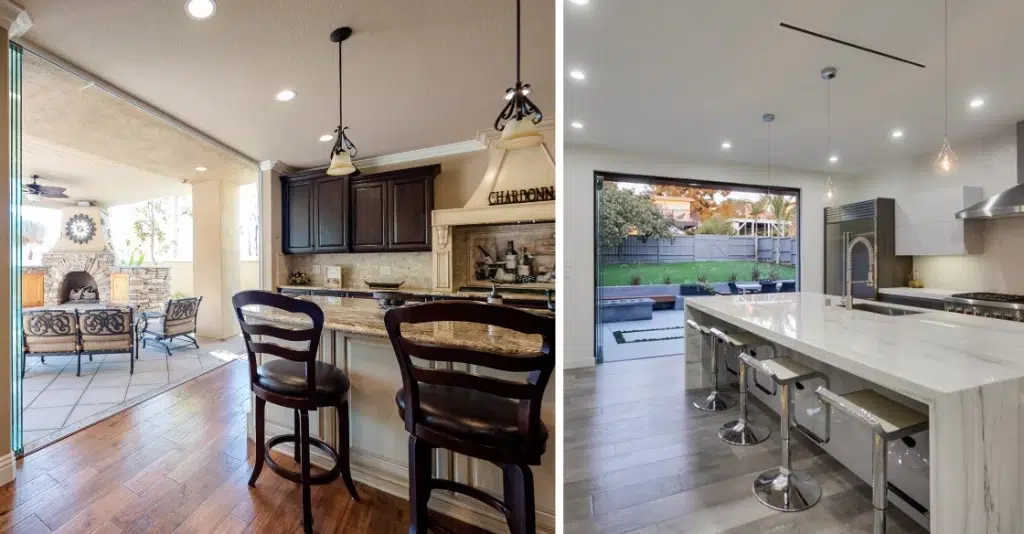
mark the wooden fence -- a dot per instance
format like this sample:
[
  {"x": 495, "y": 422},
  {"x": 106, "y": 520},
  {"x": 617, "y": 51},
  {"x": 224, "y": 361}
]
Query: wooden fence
[{"x": 702, "y": 248}]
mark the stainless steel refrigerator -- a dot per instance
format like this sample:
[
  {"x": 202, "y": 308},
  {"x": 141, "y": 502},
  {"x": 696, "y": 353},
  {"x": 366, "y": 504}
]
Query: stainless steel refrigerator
[{"x": 874, "y": 220}]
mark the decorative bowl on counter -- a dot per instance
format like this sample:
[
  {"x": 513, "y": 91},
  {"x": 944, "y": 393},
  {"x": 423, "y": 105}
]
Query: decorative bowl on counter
[
  {"x": 383, "y": 285},
  {"x": 388, "y": 299}
]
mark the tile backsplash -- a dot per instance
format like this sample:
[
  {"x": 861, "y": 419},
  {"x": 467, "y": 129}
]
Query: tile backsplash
[
  {"x": 538, "y": 238},
  {"x": 411, "y": 267}
]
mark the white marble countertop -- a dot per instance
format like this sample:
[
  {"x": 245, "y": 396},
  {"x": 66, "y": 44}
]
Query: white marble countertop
[
  {"x": 933, "y": 293},
  {"x": 924, "y": 356}
]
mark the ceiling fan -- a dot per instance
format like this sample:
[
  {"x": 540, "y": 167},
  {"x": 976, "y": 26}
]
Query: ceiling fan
[{"x": 34, "y": 191}]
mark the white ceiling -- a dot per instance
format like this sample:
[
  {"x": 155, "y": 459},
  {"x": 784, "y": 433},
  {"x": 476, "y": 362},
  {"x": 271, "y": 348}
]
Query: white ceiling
[
  {"x": 417, "y": 73},
  {"x": 681, "y": 76}
]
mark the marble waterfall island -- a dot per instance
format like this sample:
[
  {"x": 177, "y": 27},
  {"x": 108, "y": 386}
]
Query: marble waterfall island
[
  {"x": 966, "y": 372},
  {"x": 354, "y": 340}
]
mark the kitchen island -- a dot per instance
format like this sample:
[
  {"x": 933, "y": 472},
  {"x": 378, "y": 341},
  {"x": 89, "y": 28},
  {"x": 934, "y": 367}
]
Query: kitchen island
[
  {"x": 355, "y": 341},
  {"x": 966, "y": 372}
]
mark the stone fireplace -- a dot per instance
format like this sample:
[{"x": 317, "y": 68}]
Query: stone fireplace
[
  {"x": 78, "y": 286},
  {"x": 66, "y": 271}
]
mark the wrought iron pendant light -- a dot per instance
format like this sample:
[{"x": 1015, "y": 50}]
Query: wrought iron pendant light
[
  {"x": 946, "y": 162},
  {"x": 828, "y": 74},
  {"x": 517, "y": 121},
  {"x": 344, "y": 150}
]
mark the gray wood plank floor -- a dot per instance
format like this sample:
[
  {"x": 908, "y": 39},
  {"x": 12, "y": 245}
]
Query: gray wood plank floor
[{"x": 639, "y": 459}]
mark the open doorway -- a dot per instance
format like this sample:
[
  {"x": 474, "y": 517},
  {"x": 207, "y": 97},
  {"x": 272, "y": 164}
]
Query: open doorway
[
  {"x": 659, "y": 241},
  {"x": 110, "y": 249}
]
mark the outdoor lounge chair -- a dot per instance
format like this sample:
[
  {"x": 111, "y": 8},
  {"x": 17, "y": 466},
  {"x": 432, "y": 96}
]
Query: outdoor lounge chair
[
  {"x": 106, "y": 331},
  {"x": 177, "y": 320},
  {"x": 48, "y": 333}
]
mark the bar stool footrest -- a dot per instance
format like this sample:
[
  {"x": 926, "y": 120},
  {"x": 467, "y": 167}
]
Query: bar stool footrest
[
  {"x": 294, "y": 476},
  {"x": 469, "y": 491}
]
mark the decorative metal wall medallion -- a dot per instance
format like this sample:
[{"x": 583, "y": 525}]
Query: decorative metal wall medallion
[{"x": 81, "y": 229}]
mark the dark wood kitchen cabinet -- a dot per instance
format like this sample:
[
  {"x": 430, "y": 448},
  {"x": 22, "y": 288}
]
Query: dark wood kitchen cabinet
[
  {"x": 315, "y": 217},
  {"x": 387, "y": 211},
  {"x": 391, "y": 210}
]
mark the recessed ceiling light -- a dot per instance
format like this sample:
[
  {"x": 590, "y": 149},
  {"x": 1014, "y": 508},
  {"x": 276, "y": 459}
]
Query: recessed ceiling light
[
  {"x": 285, "y": 95},
  {"x": 580, "y": 2},
  {"x": 326, "y": 137},
  {"x": 577, "y": 124},
  {"x": 726, "y": 145},
  {"x": 976, "y": 102},
  {"x": 200, "y": 9},
  {"x": 833, "y": 159},
  {"x": 577, "y": 74},
  {"x": 897, "y": 134},
  {"x": 201, "y": 169}
]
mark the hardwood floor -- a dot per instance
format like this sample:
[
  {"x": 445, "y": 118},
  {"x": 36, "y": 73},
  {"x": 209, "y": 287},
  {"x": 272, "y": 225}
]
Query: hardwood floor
[
  {"x": 640, "y": 459},
  {"x": 179, "y": 463}
]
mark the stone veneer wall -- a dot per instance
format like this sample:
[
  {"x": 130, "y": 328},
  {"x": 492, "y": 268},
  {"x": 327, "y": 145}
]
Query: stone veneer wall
[
  {"x": 149, "y": 288},
  {"x": 99, "y": 265},
  {"x": 412, "y": 267},
  {"x": 538, "y": 238}
]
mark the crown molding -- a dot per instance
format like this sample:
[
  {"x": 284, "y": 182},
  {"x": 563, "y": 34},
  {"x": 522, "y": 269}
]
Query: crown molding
[
  {"x": 276, "y": 166},
  {"x": 434, "y": 152},
  {"x": 14, "y": 19}
]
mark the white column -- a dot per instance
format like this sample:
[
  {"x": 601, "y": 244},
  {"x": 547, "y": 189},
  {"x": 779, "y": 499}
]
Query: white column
[{"x": 216, "y": 264}]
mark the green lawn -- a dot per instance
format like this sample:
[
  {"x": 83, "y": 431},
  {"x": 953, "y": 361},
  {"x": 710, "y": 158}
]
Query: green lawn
[{"x": 621, "y": 274}]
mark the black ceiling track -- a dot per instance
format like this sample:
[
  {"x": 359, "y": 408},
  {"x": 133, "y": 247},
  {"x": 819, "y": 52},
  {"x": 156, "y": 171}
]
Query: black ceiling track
[{"x": 849, "y": 44}]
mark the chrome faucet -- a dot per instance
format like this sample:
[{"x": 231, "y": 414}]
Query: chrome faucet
[{"x": 849, "y": 266}]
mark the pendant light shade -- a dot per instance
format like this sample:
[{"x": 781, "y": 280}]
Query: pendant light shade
[
  {"x": 828, "y": 74},
  {"x": 344, "y": 150},
  {"x": 518, "y": 120},
  {"x": 946, "y": 162}
]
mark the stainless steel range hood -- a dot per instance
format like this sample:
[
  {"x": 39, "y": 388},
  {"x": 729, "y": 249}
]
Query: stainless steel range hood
[{"x": 1009, "y": 203}]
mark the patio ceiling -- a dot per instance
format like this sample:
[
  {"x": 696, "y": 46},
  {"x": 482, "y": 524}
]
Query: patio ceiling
[{"x": 104, "y": 149}]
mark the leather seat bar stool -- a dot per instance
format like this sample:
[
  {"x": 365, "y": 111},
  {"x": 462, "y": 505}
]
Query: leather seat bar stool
[
  {"x": 472, "y": 413},
  {"x": 889, "y": 420},
  {"x": 741, "y": 431},
  {"x": 715, "y": 401},
  {"x": 783, "y": 488},
  {"x": 294, "y": 379}
]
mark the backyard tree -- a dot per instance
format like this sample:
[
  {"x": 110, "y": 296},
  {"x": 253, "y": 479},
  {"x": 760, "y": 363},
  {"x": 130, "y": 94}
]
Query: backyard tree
[
  {"x": 625, "y": 213},
  {"x": 703, "y": 202},
  {"x": 150, "y": 220},
  {"x": 716, "y": 225},
  {"x": 783, "y": 211}
]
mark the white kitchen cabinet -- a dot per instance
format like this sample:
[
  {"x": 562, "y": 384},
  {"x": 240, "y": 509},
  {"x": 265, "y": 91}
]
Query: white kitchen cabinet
[{"x": 926, "y": 225}]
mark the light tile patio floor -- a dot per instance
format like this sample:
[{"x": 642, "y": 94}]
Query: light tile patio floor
[
  {"x": 641, "y": 338},
  {"x": 55, "y": 402}
]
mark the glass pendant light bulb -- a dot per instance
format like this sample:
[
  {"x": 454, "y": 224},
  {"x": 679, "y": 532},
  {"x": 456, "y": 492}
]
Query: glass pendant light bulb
[
  {"x": 830, "y": 192},
  {"x": 946, "y": 162}
]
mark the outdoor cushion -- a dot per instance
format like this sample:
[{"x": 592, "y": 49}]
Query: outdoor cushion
[
  {"x": 106, "y": 342},
  {"x": 180, "y": 326},
  {"x": 50, "y": 344}
]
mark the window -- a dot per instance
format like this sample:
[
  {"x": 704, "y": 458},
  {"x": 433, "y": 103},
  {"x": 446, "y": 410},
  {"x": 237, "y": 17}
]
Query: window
[
  {"x": 248, "y": 222},
  {"x": 153, "y": 230},
  {"x": 40, "y": 229}
]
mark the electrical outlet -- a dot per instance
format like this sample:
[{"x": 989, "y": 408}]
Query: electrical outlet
[{"x": 385, "y": 270}]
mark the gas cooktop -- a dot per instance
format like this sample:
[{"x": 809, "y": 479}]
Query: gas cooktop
[{"x": 997, "y": 305}]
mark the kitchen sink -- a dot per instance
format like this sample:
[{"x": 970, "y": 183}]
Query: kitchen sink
[{"x": 884, "y": 310}]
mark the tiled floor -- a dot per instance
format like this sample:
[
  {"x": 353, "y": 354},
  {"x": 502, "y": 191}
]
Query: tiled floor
[
  {"x": 56, "y": 402},
  {"x": 664, "y": 324}
]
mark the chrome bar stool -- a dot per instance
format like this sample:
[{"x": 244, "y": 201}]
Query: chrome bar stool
[
  {"x": 741, "y": 431},
  {"x": 783, "y": 488},
  {"x": 715, "y": 401},
  {"x": 889, "y": 420}
]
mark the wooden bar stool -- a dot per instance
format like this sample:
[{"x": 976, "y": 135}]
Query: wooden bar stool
[
  {"x": 889, "y": 420},
  {"x": 492, "y": 419},
  {"x": 296, "y": 380}
]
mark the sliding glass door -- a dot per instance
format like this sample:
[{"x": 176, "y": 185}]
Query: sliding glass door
[{"x": 14, "y": 237}]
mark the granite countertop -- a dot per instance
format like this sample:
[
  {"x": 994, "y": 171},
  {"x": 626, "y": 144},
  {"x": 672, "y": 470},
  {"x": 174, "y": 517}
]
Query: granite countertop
[
  {"x": 428, "y": 292},
  {"x": 924, "y": 355},
  {"x": 921, "y": 292},
  {"x": 364, "y": 317}
]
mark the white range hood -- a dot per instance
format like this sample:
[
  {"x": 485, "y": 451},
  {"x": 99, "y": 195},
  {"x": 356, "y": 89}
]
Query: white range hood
[{"x": 518, "y": 187}]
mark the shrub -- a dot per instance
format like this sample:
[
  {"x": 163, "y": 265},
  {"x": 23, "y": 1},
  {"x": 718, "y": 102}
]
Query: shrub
[
  {"x": 755, "y": 273},
  {"x": 635, "y": 280},
  {"x": 702, "y": 280},
  {"x": 732, "y": 278},
  {"x": 666, "y": 280}
]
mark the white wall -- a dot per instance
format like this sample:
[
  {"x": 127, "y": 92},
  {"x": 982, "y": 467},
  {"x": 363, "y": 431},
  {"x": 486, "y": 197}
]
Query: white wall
[
  {"x": 990, "y": 164},
  {"x": 577, "y": 241}
]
